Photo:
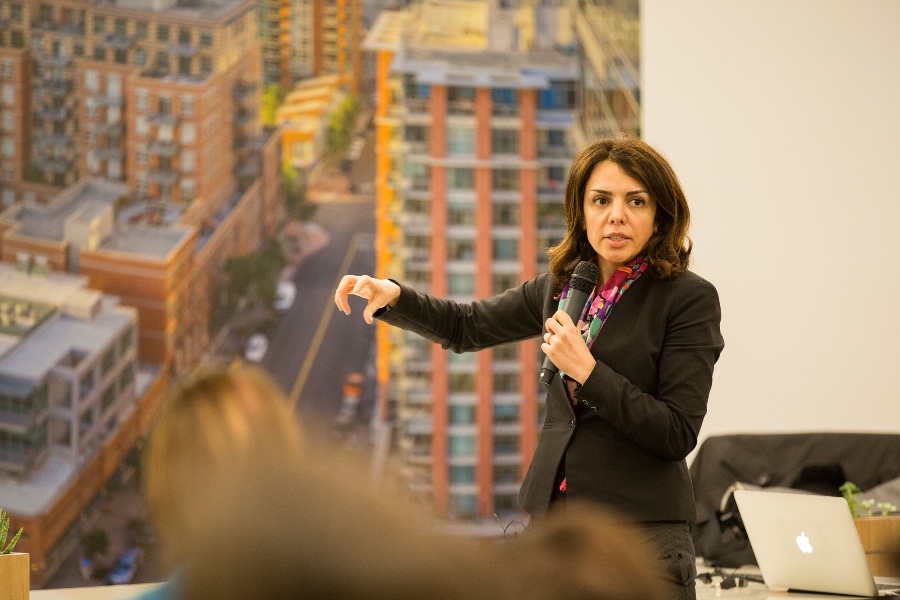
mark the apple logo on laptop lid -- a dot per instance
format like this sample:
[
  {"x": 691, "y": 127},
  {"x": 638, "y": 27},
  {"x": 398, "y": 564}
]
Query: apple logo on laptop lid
[{"x": 803, "y": 543}]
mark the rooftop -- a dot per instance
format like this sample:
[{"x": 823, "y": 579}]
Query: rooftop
[
  {"x": 206, "y": 10},
  {"x": 88, "y": 320},
  {"x": 76, "y": 208}
]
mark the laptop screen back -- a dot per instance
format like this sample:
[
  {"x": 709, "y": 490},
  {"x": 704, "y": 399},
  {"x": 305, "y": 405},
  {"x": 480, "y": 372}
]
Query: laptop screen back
[{"x": 805, "y": 542}]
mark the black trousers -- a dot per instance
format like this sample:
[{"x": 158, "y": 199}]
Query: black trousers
[{"x": 675, "y": 552}]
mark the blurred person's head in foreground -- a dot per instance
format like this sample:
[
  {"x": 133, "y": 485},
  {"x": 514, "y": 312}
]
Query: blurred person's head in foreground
[
  {"x": 288, "y": 529},
  {"x": 213, "y": 421},
  {"x": 583, "y": 553}
]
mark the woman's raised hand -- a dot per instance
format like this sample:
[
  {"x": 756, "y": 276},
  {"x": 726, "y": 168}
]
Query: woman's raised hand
[{"x": 379, "y": 292}]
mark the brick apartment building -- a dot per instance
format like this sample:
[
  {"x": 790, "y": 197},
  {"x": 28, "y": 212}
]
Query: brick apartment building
[{"x": 311, "y": 38}]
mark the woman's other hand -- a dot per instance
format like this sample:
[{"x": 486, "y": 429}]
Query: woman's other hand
[
  {"x": 564, "y": 346},
  {"x": 379, "y": 292}
]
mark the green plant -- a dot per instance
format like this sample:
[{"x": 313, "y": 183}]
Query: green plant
[
  {"x": 4, "y": 530},
  {"x": 851, "y": 493}
]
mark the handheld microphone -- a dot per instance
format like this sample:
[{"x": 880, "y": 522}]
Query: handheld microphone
[{"x": 580, "y": 286}]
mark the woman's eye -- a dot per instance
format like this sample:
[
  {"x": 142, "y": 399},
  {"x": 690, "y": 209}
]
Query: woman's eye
[
  {"x": 601, "y": 200},
  {"x": 638, "y": 201}
]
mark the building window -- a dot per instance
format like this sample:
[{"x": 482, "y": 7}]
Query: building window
[
  {"x": 140, "y": 57},
  {"x": 184, "y": 36},
  {"x": 99, "y": 53},
  {"x": 78, "y": 49},
  {"x": 17, "y": 38},
  {"x": 506, "y": 382},
  {"x": 505, "y": 98},
  {"x": 6, "y": 67},
  {"x": 162, "y": 33},
  {"x": 461, "y": 178},
  {"x": 206, "y": 38},
  {"x": 141, "y": 128},
  {"x": 7, "y": 172},
  {"x": 560, "y": 96},
  {"x": 462, "y": 474},
  {"x": 142, "y": 99},
  {"x": 504, "y": 141},
  {"x": 188, "y": 133},
  {"x": 206, "y": 65},
  {"x": 188, "y": 189},
  {"x": 460, "y": 249},
  {"x": 461, "y": 140},
  {"x": 92, "y": 80},
  {"x": 126, "y": 377},
  {"x": 187, "y": 105},
  {"x": 505, "y": 179},
  {"x": 463, "y": 383},
  {"x": 90, "y": 107},
  {"x": 8, "y": 93},
  {"x": 99, "y": 24},
  {"x": 462, "y": 414},
  {"x": 8, "y": 198},
  {"x": 140, "y": 30},
  {"x": 121, "y": 56},
  {"x": 162, "y": 61},
  {"x": 462, "y": 445},
  {"x": 15, "y": 13},
  {"x": 506, "y": 444},
  {"x": 9, "y": 121},
  {"x": 188, "y": 160},
  {"x": 461, "y": 284},
  {"x": 506, "y": 474},
  {"x": 460, "y": 213},
  {"x": 141, "y": 155},
  {"x": 504, "y": 214},
  {"x": 9, "y": 148},
  {"x": 506, "y": 249},
  {"x": 500, "y": 282},
  {"x": 121, "y": 28},
  {"x": 141, "y": 180},
  {"x": 184, "y": 65},
  {"x": 505, "y": 414}
]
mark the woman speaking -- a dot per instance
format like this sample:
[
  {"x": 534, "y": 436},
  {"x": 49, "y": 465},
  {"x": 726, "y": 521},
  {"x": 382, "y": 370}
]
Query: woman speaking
[{"x": 636, "y": 368}]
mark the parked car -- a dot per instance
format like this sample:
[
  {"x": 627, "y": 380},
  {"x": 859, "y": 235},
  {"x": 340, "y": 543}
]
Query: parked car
[
  {"x": 127, "y": 566},
  {"x": 353, "y": 387},
  {"x": 256, "y": 348},
  {"x": 284, "y": 295}
]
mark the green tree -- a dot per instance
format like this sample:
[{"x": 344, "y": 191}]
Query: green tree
[
  {"x": 272, "y": 98},
  {"x": 296, "y": 205},
  {"x": 341, "y": 123},
  {"x": 255, "y": 276}
]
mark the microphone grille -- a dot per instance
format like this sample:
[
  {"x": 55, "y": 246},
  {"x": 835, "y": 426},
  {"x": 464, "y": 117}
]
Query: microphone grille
[{"x": 585, "y": 277}]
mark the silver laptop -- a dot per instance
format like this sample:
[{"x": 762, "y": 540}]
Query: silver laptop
[{"x": 807, "y": 542}]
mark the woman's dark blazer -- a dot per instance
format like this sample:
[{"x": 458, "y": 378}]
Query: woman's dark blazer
[{"x": 646, "y": 398}]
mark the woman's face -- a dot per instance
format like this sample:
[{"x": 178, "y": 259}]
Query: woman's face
[{"x": 618, "y": 216}]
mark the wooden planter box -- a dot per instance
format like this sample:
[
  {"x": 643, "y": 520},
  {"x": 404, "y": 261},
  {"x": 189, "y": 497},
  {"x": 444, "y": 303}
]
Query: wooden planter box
[
  {"x": 880, "y": 538},
  {"x": 15, "y": 576}
]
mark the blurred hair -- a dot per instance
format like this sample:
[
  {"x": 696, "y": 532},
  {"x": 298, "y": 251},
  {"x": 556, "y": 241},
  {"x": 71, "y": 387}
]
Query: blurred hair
[
  {"x": 212, "y": 421},
  {"x": 669, "y": 248},
  {"x": 293, "y": 530},
  {"x": 584, "y": 553}
]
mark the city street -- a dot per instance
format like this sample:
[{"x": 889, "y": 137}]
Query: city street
[{"x": 314, "y": 345}]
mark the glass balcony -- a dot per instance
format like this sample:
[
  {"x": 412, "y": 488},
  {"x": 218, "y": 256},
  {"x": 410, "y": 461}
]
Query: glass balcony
[{"x": 165, "y": 149}]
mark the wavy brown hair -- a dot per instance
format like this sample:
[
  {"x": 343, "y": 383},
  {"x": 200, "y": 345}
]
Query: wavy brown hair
[{"x": 669, "y": 248}]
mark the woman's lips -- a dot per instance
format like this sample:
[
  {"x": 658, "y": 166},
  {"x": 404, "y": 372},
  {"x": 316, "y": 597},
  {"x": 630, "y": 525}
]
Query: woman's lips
[{"x": 617, "y": 241}]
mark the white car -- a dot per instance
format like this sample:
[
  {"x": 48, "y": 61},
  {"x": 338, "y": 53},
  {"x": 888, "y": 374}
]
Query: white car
[
  {"x": 125, "y": 569},
  {"x": 284, "y": 295},
  {"x": 256, "y": 348}
]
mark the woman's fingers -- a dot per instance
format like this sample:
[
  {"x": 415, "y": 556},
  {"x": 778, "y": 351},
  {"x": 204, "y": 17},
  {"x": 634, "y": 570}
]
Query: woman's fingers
[{"x": 340, "y": 294}]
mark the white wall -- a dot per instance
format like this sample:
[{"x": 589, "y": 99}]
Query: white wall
[{"x": 782, "y": 119}]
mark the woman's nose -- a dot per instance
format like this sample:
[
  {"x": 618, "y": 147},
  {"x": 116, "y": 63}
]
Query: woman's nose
[{"x": 617, "y": 212}]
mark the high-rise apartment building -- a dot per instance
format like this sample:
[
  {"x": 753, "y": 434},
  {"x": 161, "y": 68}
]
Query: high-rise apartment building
[
  {"x": 311, "y": 38},
  {"x": 476, "y": 127}
]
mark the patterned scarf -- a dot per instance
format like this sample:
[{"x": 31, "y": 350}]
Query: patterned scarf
[{"x": 597, "y": 309}]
